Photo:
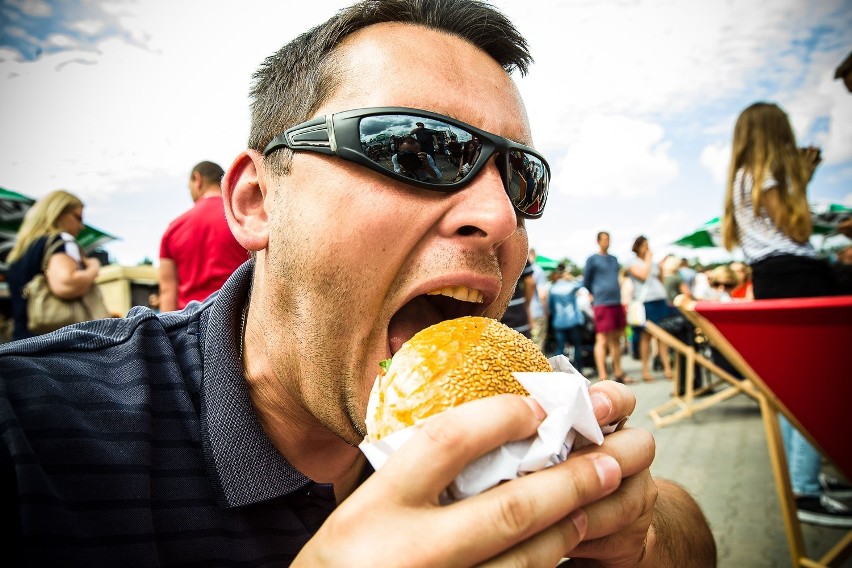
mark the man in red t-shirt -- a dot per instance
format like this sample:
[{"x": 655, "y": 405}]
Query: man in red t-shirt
[{"x": 198, "y": 252}]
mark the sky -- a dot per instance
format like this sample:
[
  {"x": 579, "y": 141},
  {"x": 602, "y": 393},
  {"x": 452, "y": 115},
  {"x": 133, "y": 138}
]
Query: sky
[{"x": 633, "y": 103}]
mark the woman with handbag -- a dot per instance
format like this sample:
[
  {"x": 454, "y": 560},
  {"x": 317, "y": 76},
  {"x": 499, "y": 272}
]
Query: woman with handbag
[
  {"x": 45, "y": 244},
  {"x": 649, "y": 296}
]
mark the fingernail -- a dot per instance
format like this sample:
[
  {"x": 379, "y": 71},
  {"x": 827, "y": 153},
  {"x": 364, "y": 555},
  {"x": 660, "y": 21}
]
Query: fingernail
[
  {"x": 609, "y": 472},
  {"x": 601, "y": 404},
  {"x": 536, "y": 407},
  {"x": 581, "y": 522}
]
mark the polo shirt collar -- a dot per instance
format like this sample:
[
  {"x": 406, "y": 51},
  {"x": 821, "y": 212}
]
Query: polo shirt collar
[{"x": 241, "y": 460}]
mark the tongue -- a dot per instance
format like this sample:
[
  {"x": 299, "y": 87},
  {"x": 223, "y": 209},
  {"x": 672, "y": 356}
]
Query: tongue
[{"x": 417, "y": 314}]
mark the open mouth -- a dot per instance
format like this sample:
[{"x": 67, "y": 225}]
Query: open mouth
[{"x": 428, "y": 309}]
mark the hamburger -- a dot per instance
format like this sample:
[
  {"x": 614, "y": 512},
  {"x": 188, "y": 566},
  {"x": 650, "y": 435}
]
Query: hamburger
[{"x": 445, "y": 365}]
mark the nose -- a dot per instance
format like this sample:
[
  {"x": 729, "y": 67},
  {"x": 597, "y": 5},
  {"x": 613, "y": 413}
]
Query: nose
[{"x": 483, "y": 209}]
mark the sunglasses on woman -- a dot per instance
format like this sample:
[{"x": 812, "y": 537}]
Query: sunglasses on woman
[{"x": 370, "y": 137}]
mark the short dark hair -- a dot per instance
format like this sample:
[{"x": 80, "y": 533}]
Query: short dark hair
[
  {"x": 640, "y": 240},
  {"x": 602, "y": 233},
  {"x": 409, "y": 140},
  {"x": 210, "y": 171},
  {"x": 292, "y": 83}
]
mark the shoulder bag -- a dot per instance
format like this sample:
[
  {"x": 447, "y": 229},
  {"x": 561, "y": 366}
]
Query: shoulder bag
[
  {"x": 636, "y": 308},
  {"x": 47, "y": 312}
]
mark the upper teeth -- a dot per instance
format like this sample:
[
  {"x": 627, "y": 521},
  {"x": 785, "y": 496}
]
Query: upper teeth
[{"x": 462, "y": 293}]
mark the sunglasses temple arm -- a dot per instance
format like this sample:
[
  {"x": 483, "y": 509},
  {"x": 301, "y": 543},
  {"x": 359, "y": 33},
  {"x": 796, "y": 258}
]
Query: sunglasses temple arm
[{"x": 314, "y": 136}]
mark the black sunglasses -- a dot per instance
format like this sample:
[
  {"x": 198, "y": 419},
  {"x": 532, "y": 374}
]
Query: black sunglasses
[{"x": 373, "y": 137}]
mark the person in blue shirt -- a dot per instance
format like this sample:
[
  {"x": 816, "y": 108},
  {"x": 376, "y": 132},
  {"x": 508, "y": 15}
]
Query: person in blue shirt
[
  {"x": 600, "y": 277},
  {"x": 566, "y": 316}
]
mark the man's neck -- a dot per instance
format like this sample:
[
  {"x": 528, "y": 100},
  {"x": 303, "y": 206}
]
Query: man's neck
[
  {"x": 211, "y": 192},
  {"x": 306, "y": 443}
]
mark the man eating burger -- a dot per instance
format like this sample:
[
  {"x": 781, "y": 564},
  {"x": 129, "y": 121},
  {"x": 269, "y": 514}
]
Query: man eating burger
[{"x": 228, "y": 433}]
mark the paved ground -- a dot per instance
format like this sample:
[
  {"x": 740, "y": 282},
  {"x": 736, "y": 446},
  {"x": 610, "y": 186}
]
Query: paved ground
[{"x": 720, "y": 456}]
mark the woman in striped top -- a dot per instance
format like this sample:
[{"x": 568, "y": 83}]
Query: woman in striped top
[
  {"x": 766, "y": 207},
  {"x": 767, "y": 214}
]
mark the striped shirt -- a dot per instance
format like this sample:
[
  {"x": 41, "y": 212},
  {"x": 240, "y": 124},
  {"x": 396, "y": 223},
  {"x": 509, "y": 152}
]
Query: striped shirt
[
  {"x": 133, "y": 442},
  {"x": 759, "y": 237}
]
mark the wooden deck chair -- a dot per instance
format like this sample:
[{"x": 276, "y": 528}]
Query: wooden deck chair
[
  {"x": 796, "y": 352},
  {"x": 686, "y": 403}
]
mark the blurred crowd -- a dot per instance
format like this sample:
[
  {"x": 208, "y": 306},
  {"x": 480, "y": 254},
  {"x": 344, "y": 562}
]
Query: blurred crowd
[{"x": 728, "y": 281}]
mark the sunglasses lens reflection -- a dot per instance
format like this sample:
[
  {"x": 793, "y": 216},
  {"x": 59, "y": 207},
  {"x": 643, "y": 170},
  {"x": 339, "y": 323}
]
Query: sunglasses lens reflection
[
  {"x": 438, "y": 153},
  {"x": 427, "y": 150},
  {"x": 527, "y": 182}
]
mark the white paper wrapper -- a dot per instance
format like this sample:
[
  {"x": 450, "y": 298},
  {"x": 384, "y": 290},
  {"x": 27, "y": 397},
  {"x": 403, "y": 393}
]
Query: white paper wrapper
[{"x": 570, "y": 423}]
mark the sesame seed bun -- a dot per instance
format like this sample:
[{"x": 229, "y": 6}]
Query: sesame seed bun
[{"x": 446, "y": 364}]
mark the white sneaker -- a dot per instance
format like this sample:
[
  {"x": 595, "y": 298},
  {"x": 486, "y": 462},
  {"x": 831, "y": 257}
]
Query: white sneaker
[
  {"x": 835, "y": 487},
  {"x": 823, "y": 510}
]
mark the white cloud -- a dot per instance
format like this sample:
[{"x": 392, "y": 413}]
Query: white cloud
[
  {"x": 652, "y": 55},
  {"x": 89, "y": 27},
  {"x": 8, "y": 56},
  {"x": 837, "y": 142},
  {"x": 37, "y": 8},
  {"x": 15, "y": 31},
  {"x": 615, "y": 156},
  {"x": 625, "y": 98},
  {"x": 716, "y": 158},
  {"x": 59, "y": 40}
]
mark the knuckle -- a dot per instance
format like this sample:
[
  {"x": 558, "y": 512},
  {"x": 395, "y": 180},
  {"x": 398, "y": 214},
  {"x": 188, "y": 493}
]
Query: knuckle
[
  {"x": 632, "y": 509},
  {"x": 444, "y": 432},
  {"x": 637, "y": 508},
  {"x": 646, "y": 439},
  {"x": 516, "y": 514},
  {"x": 651, "y": 494},
  {"x": 582, "y": 481}
]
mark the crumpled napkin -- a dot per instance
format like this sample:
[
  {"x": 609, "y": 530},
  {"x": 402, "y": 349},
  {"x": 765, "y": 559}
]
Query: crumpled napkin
[{"x": 570, "y": 424}]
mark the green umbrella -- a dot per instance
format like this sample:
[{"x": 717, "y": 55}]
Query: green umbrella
[
  {"x": 708, "y": 235},
  {"x": 546, "y": 263},
  {"x": 13, "y": 207},
  {"x": 826, "y": 217}
]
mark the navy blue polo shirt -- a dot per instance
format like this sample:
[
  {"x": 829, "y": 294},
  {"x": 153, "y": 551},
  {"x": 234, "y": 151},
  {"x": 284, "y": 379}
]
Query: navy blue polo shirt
[{"x": 134, "y": 442}]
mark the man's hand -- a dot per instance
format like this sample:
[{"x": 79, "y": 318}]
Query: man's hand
[
  {"x": 646, "y": 522},
  {"x": 619, "y": 523},
  {"x": 535, "y": 520}
]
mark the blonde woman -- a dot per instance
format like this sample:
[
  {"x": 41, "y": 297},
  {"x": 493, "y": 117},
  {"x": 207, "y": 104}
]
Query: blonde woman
[
  {"x": 767, "y": 214},
  {"x": 766, "y": 206},
  {"x": 58, "y": 216}
]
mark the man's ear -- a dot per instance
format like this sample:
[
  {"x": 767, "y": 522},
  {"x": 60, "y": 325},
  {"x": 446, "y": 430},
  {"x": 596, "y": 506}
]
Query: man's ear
[
  {"x": 244, "y": 193},
  {"x": 195, "y": 186}
]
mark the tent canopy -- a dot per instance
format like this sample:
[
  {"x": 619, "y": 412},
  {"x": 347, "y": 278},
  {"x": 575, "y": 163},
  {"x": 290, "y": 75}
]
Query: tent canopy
[
  {"x": 546, "y": 263},
  {"x": 826, "y": 217}
]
